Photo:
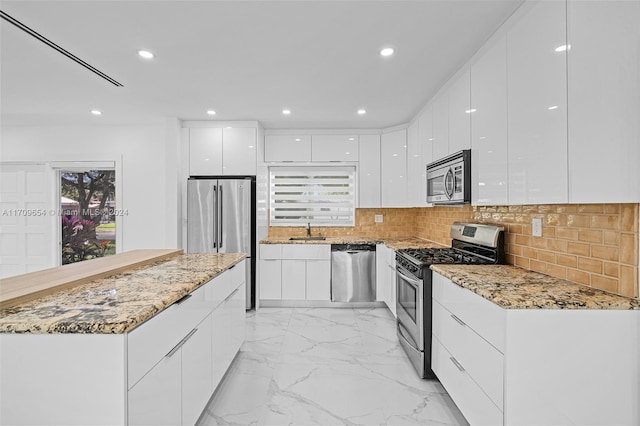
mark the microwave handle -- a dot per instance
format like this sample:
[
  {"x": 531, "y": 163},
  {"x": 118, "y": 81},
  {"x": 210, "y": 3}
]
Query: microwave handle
[{"x": 450, "y": 175}]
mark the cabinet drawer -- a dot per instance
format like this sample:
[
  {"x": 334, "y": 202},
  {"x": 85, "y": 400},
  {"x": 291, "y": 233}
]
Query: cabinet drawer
[
  {"x": 306, "y": 251},
  {"x": 474, "y": 404},
  {"x": 483, "y": 362},
  {"x": 219, "y": 288},
  {"x": 485, "y": 318},
  {"x": 152, "y": 340},
  {"x": 237, "y": 272},
  {"x": 270, "y": 251}
]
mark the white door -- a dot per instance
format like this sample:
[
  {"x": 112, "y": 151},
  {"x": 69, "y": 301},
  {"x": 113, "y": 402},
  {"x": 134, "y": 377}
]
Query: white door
[{"x": 27, "y": 219}]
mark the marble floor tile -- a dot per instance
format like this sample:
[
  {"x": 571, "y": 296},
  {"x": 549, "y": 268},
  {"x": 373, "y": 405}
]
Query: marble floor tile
[{"x": 324, "y": 366}]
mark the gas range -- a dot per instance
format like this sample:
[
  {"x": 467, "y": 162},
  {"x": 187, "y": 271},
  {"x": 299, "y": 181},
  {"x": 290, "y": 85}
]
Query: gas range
[
  {"x": 471, "y": 244},
  {"x": 414, "y": 260}
]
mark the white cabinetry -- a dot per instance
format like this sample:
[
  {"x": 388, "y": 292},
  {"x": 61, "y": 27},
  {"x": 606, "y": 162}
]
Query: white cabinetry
[
  {"x": 218, "y": 151},
  {"x": 604, "y": 101},
  {"x": 386, "y": 276},
  {"x": 537, "y": 105},
  {"x": 334, "y": 148},
  {"x": 287, "y": 148},
  {"x": 534, "y": 366},
  {"x": 489, "y": 124},
  {"x": 440, "y": 146},
  {"x": 160, "y": 373},
  {"x": 425, "y": 140},
  {"x": 394, "y": 169},
  {"x": 270, "y": 272},
  {"x": 295, "y": 272},
  {"x": 459, "y": 113},
  {"x": 369, "y": 171},
  {"x": 415, "y": 164}
]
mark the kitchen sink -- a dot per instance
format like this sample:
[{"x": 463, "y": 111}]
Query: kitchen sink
[{"x": 307, "y": 238}]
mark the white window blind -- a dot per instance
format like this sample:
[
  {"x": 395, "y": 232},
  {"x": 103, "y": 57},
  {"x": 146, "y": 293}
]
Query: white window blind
[{"x": 317, "y": 195}]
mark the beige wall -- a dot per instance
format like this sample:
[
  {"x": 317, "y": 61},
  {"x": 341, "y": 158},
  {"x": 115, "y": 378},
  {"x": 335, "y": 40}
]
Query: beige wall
[{"x": 592, "y": 244}]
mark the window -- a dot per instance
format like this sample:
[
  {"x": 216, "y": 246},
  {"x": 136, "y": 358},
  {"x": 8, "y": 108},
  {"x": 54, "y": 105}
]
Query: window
[{"x": 321, "y": 196}]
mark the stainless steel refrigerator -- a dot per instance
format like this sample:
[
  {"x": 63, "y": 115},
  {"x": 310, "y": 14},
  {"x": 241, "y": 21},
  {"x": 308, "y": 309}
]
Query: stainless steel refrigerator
[{"x": 221, "y": 219}]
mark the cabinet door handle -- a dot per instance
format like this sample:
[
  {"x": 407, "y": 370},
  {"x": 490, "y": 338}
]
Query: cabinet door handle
[
  {"x": 456, "y": 363},
  {"x": 270, "y": 260},
  {"x": 180, "y": 343},
  {"x": 232, "y": 294},
  {"x": 458, "y": 320}
]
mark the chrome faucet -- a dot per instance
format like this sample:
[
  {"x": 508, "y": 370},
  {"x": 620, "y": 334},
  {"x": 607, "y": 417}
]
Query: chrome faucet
[{"x": 308, "y": 229}]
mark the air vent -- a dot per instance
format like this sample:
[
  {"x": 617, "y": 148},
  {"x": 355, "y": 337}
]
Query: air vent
[{"x": 54, "y": 46}]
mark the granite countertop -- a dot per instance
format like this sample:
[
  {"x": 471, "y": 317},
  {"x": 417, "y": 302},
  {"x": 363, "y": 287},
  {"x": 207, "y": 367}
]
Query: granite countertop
[
  {"x": 118, "y": 303},
  {"x": 394, "y": 243},
  {"x": 511, "y": 287}
]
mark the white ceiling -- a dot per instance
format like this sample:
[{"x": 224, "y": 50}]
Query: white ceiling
[{"x": 246, "y": 59}]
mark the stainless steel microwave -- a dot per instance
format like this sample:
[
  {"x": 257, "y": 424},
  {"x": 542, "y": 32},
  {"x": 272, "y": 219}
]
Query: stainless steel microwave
[{"x": 449, "y": 179}]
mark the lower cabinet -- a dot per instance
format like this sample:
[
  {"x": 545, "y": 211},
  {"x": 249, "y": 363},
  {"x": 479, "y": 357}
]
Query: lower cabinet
[
  {"x": 386, "y": 276},
  {"x": 177, "y": 388},
  {"x": 295, "y": 272},
  {"x": 535, "y": 366}
]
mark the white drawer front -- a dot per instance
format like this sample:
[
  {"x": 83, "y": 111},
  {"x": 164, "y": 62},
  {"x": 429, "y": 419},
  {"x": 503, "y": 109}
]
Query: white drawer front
[
  {"x": 485, "y": 318},
  {"x": 238, "y": 272},
  {"x": 474, "y": 404},
  {"x": 306, "y": 251},
  {"x": 152, "y": 340},
  {"x": 483, "y": 362},
  {"x": 219, "y": 288},
  {"x": 270, "y": 251}
]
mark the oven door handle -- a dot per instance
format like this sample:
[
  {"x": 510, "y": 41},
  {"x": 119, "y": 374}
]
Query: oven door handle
[
  {"x": 402, "y": 332},
  {"x": 414, "y": 283}
]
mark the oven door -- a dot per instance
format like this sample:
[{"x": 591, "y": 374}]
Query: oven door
[{"x": 410, "y": 308}]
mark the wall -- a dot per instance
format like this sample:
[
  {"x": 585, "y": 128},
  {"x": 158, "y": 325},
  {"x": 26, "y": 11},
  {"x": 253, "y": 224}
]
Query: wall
[
  {"x": 592, "y": 244},
  {"x": 140, "y": 151}
]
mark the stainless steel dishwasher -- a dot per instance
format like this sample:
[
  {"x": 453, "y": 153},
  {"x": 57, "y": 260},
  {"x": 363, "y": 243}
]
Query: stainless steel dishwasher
[{"x": 353, "y": 272}]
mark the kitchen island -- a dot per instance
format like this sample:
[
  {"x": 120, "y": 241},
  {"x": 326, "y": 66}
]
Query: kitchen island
[{"x": 147, "y": 345}]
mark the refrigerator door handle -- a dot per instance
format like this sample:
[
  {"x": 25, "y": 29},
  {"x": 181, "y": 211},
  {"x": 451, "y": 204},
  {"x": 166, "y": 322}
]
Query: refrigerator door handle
[
  {"x": 220, "y": 236},
  {"x": 213, "y": 216}
]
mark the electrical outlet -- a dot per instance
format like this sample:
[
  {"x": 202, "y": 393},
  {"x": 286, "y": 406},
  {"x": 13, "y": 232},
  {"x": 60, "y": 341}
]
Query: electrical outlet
[
  {"x": 378, "y": 218},
  {"x": 536, "y": 227}
]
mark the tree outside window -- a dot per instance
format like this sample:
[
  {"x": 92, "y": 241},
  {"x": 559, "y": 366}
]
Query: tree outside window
[{"x": 87, "y": 201}]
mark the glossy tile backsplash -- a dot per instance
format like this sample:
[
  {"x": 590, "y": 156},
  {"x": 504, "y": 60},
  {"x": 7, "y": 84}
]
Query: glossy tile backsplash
[{"x": 592, "y": 244}]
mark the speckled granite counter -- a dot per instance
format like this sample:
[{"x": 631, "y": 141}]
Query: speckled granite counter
[
  {"x": 511, "y": 287},
  {"x": 394, "y": 243},
  {"x": 118, "y": 303}
]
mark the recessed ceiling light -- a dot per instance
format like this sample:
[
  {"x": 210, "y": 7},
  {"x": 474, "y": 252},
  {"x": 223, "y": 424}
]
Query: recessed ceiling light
[
  {"x": 563, "y": 48},
  {"x": 211, "y": 112},
  {"x": 145, "y": 54},
  {"x": 553, "y": 107},
  {"x": 362, "y": 111},
  {"x": 387, "y": 51},
  {"x": 96, "y": 112},
  {"x": 286, "y": 111}
]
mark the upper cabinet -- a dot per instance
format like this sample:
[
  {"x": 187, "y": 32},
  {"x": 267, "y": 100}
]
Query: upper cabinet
[
  {"x": 394, "y": 168},
  {"x": 369, "y": 171},
  {"x": 287, "y": 148},
  {"x": 604, "y": 101},
  {"x": 205, "y": 151},
  {"x": 489, "y": 124},
  {"x": 334, "y": 148},
  {"x": 414, "y": 164},
  {"x": 440, "y": 146},
  {"x": 425, "y": 139},
  {"x": 222, "y": 151},
  {"x": 459, "y": 113},
  {"x": 537, "y": 104}
]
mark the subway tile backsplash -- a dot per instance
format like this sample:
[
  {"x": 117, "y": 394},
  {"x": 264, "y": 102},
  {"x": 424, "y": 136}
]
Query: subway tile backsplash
[{"x": 592, "y": 244}]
